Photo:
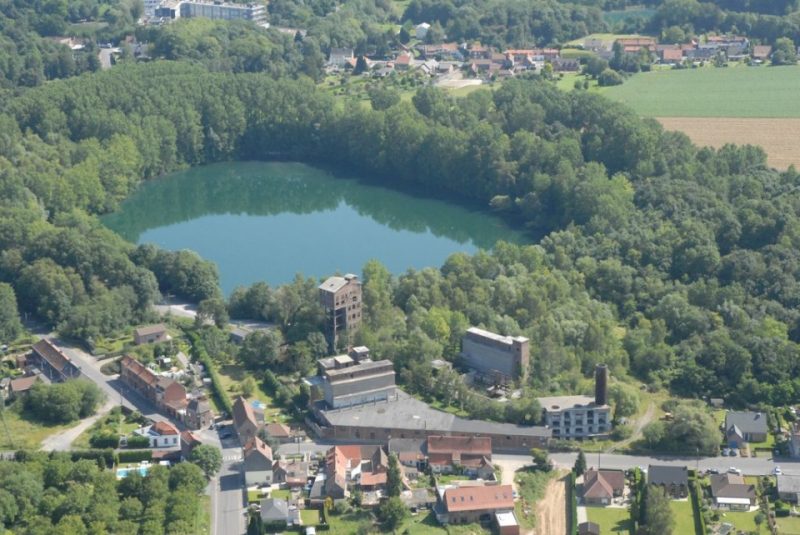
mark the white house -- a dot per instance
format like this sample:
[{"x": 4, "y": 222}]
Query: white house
[
  {"x": 161, "y": 435},
  {"x": 339, "y": 57},
  {"x": 422, "y": 30},
  {"x": 257, "y": 462}
]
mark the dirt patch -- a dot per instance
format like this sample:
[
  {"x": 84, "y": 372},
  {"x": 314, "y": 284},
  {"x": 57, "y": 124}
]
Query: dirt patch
[
  {"x": 780, "y": 138},
  {"x": 551, "y": 511}
]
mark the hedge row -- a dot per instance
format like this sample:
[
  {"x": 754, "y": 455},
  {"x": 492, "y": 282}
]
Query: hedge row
[
  {"x": 134, "y": 456},
  {"x": 200, "y": 355},
  {"x": 572, "y": 501},
  {"x": 695, "y": 493}
]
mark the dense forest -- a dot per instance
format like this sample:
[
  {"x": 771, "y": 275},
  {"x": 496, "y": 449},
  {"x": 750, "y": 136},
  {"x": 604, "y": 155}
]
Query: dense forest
[
  {"x": 42, "y": 494},
  {"x": 670, "y": 261}
]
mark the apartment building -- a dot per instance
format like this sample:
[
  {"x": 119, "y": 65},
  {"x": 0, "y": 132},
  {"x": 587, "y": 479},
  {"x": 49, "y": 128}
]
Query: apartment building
[
  {"x": 495, "y": 355},
  {"x": 255, "y": 12},
  {"x": 580, "y": 416}
]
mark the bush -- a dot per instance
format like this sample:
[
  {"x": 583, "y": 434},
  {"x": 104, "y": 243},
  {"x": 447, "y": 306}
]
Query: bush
[
  {"x": 134, "y": 456},
  {"x": 138, "y": 441},
  {"x": 104, "y": 439},
  {"x": 609, "y": 77},
  {"x": 103, "y": 457}
]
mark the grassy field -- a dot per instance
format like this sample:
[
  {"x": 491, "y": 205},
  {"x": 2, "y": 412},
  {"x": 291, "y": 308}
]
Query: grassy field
[
  {"x": 741, "y": 521},
  {"x": 22, "y": 432},
  {"x": 788, "y": 525},
  {"x": 684, "y": 516},
  {"x": 610, "y": 519},
  {"x": 736, "y": 91}
]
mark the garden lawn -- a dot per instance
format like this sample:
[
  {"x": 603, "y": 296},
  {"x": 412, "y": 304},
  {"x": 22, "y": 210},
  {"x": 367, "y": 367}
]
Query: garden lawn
[
  {"x": 425, "y": 523},
  {"x": 741, "y": 521},
  {"x": 789, "y": 525},
  {"x": 684, "y": 517},
  {"x": 310, "y": 517},
  {"x": 18, "y": 430},
  {"x": 281, "y": 493},
  {"x": 735, "y": 91},
  {"x": 349, "y": 523},
  {"x": 231, "y": 377},
  {"x": 610, "y": 519}
]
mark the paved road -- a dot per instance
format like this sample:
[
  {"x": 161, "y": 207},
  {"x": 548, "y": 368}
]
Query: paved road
[
  {"x": 748, "y": 465},
  {"x": 117, "y": 392},
  {"x": 227, "y": 490}
]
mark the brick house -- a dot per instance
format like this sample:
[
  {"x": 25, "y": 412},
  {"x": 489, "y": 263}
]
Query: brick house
[
  {"x": 600, "y": 487},
  {"x": 450, "y": 453},
  {"x": 53, "y": 363},
  {"x": 168, "y": 395},
  {"x": 465, "y": 505},
  {"x": 150, "y": 334},
  {"x": 244, "y": 420}
]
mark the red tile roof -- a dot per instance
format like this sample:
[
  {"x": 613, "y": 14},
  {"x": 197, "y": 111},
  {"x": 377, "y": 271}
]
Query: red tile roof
[
  {"x": 23, "y": 384},
  {"x": 460, "y": 444},
  {"x": 135, "y": 367},
  {"x": 255, "y": 444},
  {"x": 164, "y": 428},
  {"x": 495, "y": 497},
  {"x": 50, "y": 353},
  {"x": 278, "y": 430}
]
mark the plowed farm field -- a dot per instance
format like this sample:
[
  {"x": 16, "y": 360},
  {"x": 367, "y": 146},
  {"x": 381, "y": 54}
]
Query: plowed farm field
[{"x": 780, "y": 138}]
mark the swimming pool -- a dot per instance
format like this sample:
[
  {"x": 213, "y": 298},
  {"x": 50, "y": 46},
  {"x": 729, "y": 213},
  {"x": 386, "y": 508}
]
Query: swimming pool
[{"x": 123, "y": 472}]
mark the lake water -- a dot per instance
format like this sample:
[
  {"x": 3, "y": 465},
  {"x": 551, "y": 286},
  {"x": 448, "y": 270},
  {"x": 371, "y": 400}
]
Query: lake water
[{"x": 268, "y": 221}]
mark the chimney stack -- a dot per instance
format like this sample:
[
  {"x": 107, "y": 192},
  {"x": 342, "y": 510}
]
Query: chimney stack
[{"x": 601, "y": 384}]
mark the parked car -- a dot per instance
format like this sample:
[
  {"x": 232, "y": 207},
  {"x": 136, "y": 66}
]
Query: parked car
[
  {"x": 777, "y": 471},
  {"x": 713, "y": 471},
  {"x": 734, "y": 470},
  {"x": 734, "y": 452},
  {"x": 225, "y": 434},
  {"x": 726, "y": 452}
]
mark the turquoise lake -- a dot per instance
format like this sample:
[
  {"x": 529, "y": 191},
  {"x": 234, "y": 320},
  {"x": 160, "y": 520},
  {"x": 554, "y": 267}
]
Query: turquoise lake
[{"x": 268, "y": 221}]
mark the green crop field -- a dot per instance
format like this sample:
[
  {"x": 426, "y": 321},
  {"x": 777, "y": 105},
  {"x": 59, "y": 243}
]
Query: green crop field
[{"x": 736, "y": 91}]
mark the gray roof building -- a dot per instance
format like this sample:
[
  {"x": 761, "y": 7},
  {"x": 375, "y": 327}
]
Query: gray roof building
[
  {"x": 667, "y": 475},
  {"x": 274, "y": 510},
  {"x": 748, "y": 422}
]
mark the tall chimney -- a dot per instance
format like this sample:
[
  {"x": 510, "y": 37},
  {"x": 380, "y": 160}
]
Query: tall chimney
[{"x": 601, "y": 384}]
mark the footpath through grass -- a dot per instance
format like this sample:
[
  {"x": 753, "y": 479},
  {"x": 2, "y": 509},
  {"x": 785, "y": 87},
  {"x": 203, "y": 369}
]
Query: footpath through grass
[{"x": 735, "y": 91}]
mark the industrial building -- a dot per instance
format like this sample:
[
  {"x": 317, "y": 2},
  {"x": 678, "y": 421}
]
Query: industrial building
[
  {"x": 502, "y": 358},
  {"x": 341, "y": 299}
]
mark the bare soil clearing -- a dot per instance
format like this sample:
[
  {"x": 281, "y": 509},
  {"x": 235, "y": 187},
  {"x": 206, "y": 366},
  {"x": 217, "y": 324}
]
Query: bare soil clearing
[
  {"x": 551, "y": 511},
  {"x": 780, "y": 138}
]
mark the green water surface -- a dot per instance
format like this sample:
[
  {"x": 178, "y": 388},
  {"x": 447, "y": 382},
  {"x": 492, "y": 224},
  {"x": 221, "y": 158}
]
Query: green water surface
[{"x": 268, "y": 221}]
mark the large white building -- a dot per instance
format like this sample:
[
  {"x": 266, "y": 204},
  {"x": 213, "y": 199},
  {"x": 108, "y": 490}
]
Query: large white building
[
  {"x": 175, "y": 9},
  {"x": 494, "y": 354}
]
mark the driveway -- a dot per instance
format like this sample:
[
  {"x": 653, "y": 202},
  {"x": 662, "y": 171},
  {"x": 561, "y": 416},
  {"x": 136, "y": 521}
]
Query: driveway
[{"x": 63, "y": 440}]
